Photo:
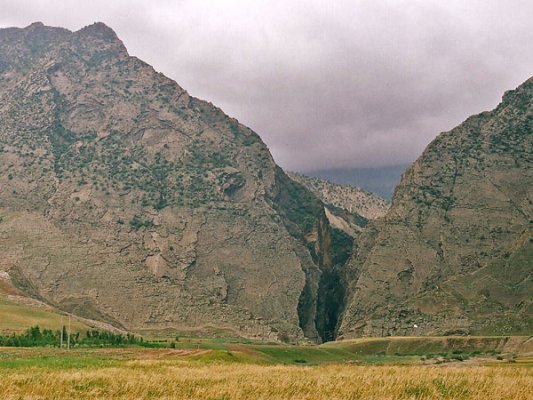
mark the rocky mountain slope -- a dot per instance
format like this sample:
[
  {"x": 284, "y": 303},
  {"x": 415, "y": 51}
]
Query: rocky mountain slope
[
  {"x": 126, "y": 200},
  {"x": 455, "y": 252}
]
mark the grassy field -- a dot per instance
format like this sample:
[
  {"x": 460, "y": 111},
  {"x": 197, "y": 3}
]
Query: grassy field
[
  {"x": 242, "y": 373},
  {"x": 222, "y": 369}
]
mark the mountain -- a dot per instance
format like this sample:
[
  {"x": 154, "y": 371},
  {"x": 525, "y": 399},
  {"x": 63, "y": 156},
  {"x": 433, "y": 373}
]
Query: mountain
[
  {"x": 124, "y": 199},
  {"x": 378, "y": 180},
  {"x": 455, "y": 252}
]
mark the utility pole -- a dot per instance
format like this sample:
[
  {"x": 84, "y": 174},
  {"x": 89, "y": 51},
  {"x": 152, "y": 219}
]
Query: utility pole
[
  {"x": 68, "y": 334},
  {"x": 61, "y": 334}
]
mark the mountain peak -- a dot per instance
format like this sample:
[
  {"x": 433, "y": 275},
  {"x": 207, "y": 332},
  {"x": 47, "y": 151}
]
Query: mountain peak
[
  {"x": 97, "y": 36},
  {"x": 37, "y": 24},
  {"x": 38, "y": 27},
  {"x": 100, "y": 30}
]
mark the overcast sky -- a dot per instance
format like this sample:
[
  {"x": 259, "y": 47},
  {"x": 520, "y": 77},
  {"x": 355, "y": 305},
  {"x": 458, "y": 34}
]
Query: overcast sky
[{"x": 325, "y": 83}]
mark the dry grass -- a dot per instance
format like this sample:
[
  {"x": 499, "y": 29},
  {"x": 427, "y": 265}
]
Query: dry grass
[{"x": 186, "y": 379}]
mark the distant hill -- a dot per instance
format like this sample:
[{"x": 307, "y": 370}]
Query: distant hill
[
  {"x": 380, "y": 180},
  {"x": 347, "y": 197}
]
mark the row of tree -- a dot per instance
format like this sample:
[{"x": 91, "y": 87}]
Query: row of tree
[{"x": 37, "y": 337}]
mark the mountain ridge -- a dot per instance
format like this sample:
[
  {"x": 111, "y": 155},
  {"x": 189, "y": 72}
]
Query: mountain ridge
[{"x": 380, "y": 181}]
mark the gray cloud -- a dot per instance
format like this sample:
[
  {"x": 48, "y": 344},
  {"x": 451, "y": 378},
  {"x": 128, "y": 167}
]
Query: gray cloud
[{"x": 325, "y": 84}]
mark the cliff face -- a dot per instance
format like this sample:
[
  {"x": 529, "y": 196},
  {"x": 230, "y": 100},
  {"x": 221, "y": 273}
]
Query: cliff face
[
  {"x": 455, "y": 252},
  {"x": 124, "y": 199}
]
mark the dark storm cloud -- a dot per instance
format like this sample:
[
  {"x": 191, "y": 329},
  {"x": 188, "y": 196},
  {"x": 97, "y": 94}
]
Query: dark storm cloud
[{"x": 325, "y": 84}]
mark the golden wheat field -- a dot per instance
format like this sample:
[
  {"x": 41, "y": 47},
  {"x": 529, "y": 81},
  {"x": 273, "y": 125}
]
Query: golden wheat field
[{"x": 183, "y": 378}]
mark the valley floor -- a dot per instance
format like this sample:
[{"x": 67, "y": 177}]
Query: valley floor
[{"x": 240, "y": 371}]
